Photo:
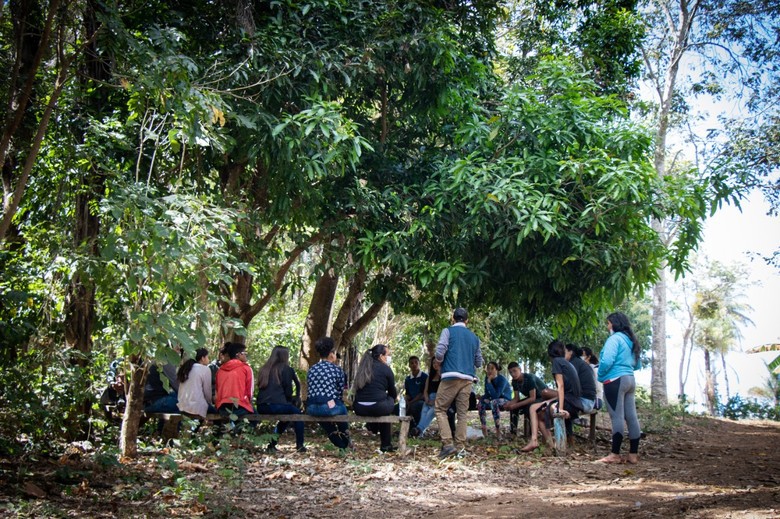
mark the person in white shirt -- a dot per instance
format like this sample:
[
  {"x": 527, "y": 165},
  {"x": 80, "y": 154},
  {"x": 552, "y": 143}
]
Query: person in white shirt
[{"x": 195, "y": 396}]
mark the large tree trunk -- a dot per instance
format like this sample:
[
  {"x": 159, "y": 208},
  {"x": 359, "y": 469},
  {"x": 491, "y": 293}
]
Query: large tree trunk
[
  {"x": 709, "y": 384},
  {"x": 679, "y": 31},
  {"x": 128, "y": 436},
  {"x": 318, "y": 317},
  {"x": 80, "y": 295},
  {"x": 658, "y": 379}
]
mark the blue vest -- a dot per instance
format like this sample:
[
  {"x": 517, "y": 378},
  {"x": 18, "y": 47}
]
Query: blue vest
[{"x": 460, "y": 351}]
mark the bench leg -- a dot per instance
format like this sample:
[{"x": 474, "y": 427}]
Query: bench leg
[
  {"x": 592, "y": 432},
  {"x": 170, "y": 428},
  {"x": 402, "y": 437}
]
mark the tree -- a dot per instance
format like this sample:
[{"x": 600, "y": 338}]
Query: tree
[
  {"x": 717, "y": 32},
  {"x": 154, "y": 252},
  {"x": 719, "y": 313}
]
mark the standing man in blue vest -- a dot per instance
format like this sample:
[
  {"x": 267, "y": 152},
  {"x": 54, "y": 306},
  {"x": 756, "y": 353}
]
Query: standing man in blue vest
[{"x": 459, "y": 353}]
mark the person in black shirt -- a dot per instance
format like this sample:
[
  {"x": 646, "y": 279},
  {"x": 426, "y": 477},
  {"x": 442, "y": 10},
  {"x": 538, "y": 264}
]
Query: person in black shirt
[
  {"x": 375, "y": 392},
  {"x": 586, "y": 376},
  {"x": 567, "y": 403},
  {"x": 279, "y": 390}
]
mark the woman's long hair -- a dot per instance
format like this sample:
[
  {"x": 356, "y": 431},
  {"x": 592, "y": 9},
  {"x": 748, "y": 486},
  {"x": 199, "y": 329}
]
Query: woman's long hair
[
  {"x": 279, "y": 358},
  {"x": 432, "y": 371},
  {"x": 184, "y": 370},
  {"x": 365, "y": 371},
  {"x": 620, "y": 323},
  {"x": 592, "y": 357}
]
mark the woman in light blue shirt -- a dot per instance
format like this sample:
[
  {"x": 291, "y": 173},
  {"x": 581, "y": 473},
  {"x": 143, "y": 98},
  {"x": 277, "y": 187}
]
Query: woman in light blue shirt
[{"x": 619, "y": 359}]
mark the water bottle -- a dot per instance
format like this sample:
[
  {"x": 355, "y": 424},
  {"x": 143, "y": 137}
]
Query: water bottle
[{"x": 402, "y": 406}]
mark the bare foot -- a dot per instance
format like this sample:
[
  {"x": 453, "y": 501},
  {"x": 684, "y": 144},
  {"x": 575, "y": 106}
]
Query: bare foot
[
  {"x": 612, "y": 458},
  {"x": 530, "y": 447},
  {"x": 633, "y": 459}
]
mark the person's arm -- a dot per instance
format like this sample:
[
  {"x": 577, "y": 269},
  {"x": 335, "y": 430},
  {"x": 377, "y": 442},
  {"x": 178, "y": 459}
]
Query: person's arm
[
  {"x": 287, "y": 386},
  {"x": 205, "y": 384},
  {"x": 528, "y": 401},
  {"x": 296, "y": 382},
  {"x": 419, "y": 396},
  {"x": 561, "y": 392},
  {"x": 425, "y": 389},
  {"x": 608, "y": 354},
  {"x": 442, "y": 345},
  {"x": 490, "y": 389},
  {"x": 391, "y": 392},
  {"x": 478, "y": 360},
  {"x": 249, "y": 379}
]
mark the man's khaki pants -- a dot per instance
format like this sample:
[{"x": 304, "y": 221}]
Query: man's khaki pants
[{"x": 457, "y": 390}]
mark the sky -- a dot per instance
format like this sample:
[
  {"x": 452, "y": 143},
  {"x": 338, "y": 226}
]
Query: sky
[{"x": 732, "y": 236}]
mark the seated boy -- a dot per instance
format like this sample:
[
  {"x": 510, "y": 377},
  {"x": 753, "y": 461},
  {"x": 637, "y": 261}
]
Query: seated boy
[{"x": 531, "y": 387}]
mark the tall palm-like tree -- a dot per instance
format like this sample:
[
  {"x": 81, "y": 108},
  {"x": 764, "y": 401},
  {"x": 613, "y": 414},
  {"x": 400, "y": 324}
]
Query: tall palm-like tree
[{"x": 721, "y": 312}]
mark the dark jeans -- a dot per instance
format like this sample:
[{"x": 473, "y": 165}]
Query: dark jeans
[
  {"x": 282, "y": 426},
  {"x": 166, "y": 404},
  {"x": 415, "y": 410},
  {"x": 383, "y": 408},
  {"x": 338, "y": 432}
]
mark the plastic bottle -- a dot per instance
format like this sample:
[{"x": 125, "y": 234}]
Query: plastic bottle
[{"x": 402, "y": 406}]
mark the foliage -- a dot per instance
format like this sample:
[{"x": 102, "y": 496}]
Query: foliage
[
  {"x": 40, "y": 396},
  {"x": 738, "y": 408},
  {"x": 164, "y": 258},
  {"x": 659, "y": 419},
  {"x": 545, "y": 212},
  {"x": 604, "y": 35}
]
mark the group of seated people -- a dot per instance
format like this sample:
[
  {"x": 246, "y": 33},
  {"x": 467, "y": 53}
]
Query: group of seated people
[{"x": 198, "y": 388}]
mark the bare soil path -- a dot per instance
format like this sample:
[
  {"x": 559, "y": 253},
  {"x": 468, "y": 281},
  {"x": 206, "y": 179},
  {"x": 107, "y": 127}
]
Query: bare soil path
[{"x": 700, "y": 467}]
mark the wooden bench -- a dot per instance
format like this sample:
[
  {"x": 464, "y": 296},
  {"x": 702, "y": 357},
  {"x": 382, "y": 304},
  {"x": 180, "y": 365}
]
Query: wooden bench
[{"x": 175, "y": 418}]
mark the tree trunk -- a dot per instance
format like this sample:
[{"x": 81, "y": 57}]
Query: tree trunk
[
  {"x": 128, "y": 436},
  {"x": 679, "y": 31},
  {"x": 709, "y": 384},
  {"x": 318, "y": 317},
  {"x": 687, "y": 350},
  {"x": 725, "y": 375},
  {"x": 658, "y": 379}
]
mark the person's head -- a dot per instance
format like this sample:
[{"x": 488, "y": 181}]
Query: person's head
[
  {"x": 492, "y": 368},
  {"x": 460, "y": 315},
  {"x": 222, "y": 356},
  {"x": 325, "y": 347},
  {"x": 365, "y": 370},
  {"x": 589, "y": 356},
  {"x": 279, "y": 358},
  {"x": 414, "y": 365},
  {"x": 556, "y": 349},
  {"x": 572, "y": 350},
  {"x": 202, "y": 356},
  {"x": 183, "y": 373},
  {"x": 618, "y": 322},
  {"x": 236, "y": 350},
  {"x": 433, "y": 367},
  {"x": 515, "y": 371}
]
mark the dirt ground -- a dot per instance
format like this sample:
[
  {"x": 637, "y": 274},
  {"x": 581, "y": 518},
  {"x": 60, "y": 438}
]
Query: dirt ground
[{"x": 702, "y": 467}]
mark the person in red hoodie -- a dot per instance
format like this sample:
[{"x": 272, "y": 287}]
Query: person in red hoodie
[{"x": 235, "y": 382}]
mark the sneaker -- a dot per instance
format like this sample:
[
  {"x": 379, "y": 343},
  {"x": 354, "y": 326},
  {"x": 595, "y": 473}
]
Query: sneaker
[
  {"x": 271, "y": 449},
  {"x": 415, "y": 432},
  {"x": 302, "y": 448},
  {"x": 447, "y": 451},
  {"x": 388, "y": 448}
]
